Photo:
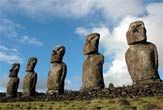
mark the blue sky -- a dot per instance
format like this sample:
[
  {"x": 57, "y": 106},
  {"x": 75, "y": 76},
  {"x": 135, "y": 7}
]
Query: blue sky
[{"x": 33, "y": 28}]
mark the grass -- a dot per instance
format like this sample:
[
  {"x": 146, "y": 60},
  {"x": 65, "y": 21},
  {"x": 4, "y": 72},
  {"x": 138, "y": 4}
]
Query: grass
[{"x": 145, "y": 103}]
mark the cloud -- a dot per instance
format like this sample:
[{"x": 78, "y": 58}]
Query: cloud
[
  {"x": 113, "y": 39},
  {"x": 2, "y": 47},
  {"x": 42, "y": 8},
  {"x": 26, "y": 39},
  {"x": 115, "y": 45},
  {"x": 68, "y": 84},
  {"x": 117, "y": 68},
  {"x": 154, "y": 27},
  {"x": 3, "y": 83},
  {"x": 81, "y": 31},
  {"x": 120, "y": 8},
  {"x": 72, "y": 8},
  {"x": 9, "y": 55},
  {"x": 9, "y": 30}
]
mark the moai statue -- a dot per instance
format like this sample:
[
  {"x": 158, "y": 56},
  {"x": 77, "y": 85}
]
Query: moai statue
[
  {"x": 13, "y": 83},
  {"x": 30, "y": 80},
  {"x": 58, "y": 71},
  {"x": 93, "y": 65},
  {"x": 141, "y": 56}
]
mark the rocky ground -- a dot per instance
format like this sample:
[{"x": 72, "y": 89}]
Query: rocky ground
[
  {"x": 138, "y": 97},
  {"x": 143, "y": 103},
  {"x": 136, "y": 91}
]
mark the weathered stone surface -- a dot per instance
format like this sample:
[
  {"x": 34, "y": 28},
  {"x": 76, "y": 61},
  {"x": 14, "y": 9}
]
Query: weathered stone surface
[
  {"x": 93, "y": 72},
  {"x": 56, "y": 78},
  {"x": 91, "y": 44},
  {"x": 111, "y": 85},
  {"x": 30, "y": 80},
  {"x": 93, "y": 65},
  {"x": 58, "y": 71},
  {"x": 142, "y": 62},
  {"x": 13, "y": 83},
  {"x": 136, "y": 33},
  {"x": 58, "y": 54},
  {"x": 133, "y": 91}
]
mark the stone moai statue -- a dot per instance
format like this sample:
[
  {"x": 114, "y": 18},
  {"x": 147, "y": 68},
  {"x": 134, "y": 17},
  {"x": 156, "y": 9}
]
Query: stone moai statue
[
  {"x": 13, "y": 83},
  {"x": 57, "y": 72},
  {"x": 93, "y": 65},
  {"x": 30, "y": 80},
  {"x": 141, "y": 56}
]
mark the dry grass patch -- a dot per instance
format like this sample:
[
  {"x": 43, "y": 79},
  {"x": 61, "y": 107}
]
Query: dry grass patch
[{"x": 97, "y": 104}]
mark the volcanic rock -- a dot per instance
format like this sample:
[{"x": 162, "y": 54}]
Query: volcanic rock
[
  {"x": 30, "y": 80},
  {"x": 13, "y": 83}
]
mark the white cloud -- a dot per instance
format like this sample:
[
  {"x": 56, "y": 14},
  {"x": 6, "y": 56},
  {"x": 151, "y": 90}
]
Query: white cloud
[
  {"x": 68, "y": 84},
  {"x": 26, "y": 39},
  {"x": 154, "y": 25},
  {"x": 9, "y": 58},
  {"x": 9, "y": 29},
  {"x": 2, "y": 47},
  {"x": 115, "y": 42},
  {"x": 73, "y": 8},
  {"x": 9, "y": 55},
  {"x": 120, "y": 8},
  {"x": 81, "y": 31},
  {"x": 42, "y": 8},
  {"x": 3, "y": 83}
]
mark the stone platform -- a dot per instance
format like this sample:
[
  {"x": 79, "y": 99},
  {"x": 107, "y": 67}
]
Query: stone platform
[{"x": 134, "y": 91}]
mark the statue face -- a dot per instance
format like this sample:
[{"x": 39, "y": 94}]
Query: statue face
[
  {"x": 31, "y": 64},
  {"x": 58, "y": 54},
  {"x": 136, "y": 33},
  {"x": 91, "y": 45},
  {"x": 14, "y": 70}
]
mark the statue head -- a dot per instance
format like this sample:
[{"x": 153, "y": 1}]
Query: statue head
[
  {"x": 136, "y": 33},
  {"x": 91, "y": 44},
  {"x": 58, "y": 54},
  {"x": 14, "y": 70},
  {"x": 31, "y": 64}
]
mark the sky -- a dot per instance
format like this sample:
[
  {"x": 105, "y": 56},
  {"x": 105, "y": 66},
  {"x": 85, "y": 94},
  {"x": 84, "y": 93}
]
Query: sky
[{"x": 32, "y": 28}]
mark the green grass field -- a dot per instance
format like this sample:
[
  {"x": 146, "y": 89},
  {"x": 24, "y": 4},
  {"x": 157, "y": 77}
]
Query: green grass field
[{"x": 146, "y": 103}]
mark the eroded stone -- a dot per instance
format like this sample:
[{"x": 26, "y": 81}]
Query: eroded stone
[
  {"x": 93, "y": 65},
  {"x": 91, "y": 44},
  {"x": 136, "y": 33},
  {"x": 58, "y": 71},
  {"x": 93, "y": 72},
  {"x": 30, "y": 80},
  {"x": 13, "y": 83},
  {"x": 58, "y": 54},
  {"x": 56, "y": 78},
  {"x": 142, "y": 58}
]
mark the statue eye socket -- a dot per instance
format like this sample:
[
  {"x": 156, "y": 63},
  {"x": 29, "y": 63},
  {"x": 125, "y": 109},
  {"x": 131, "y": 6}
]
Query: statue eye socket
[{"x": 135, "y": 30}]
